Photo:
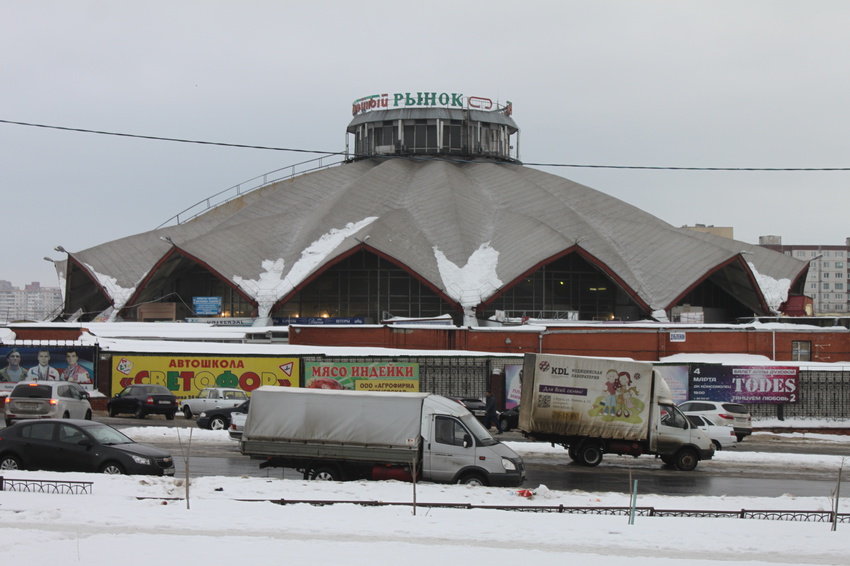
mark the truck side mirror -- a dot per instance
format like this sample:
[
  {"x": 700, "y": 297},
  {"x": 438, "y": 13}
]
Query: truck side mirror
[{"x": 467, "y": 441}]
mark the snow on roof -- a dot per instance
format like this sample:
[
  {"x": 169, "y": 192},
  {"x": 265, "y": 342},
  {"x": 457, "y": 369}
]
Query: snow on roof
[{"x": 467, "y": 229}]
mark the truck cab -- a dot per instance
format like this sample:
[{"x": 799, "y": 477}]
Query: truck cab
[{"x": 458, "y": 449}]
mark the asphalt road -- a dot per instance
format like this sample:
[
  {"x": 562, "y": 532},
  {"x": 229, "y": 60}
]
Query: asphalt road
[{"x": 615, "y": 474}]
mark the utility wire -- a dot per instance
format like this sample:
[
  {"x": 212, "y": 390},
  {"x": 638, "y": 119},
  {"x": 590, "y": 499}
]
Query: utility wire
[{"x": 295, "y": 150}]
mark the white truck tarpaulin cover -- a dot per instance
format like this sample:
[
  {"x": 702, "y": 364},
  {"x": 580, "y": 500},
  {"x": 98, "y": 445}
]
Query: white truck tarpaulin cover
[
  {"x": 577, "y": 396},
  {"x": 339, "y": 417}
]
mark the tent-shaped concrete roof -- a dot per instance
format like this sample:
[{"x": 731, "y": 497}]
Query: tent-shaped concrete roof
[{"x": 429, "y": 213}]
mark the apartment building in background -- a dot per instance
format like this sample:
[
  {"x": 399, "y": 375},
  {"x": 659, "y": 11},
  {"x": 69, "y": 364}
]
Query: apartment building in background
[
  {"x": 33, "y": 302},
  {"x": 829, "y": 274}
]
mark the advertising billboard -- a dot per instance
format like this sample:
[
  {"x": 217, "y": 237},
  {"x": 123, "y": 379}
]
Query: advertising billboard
[
  {"x": 47, "y": 363},
  {"x": 185, "y": 375},
  {"x": 744, "y": 384},
  {"x": 377, "y": 376}
]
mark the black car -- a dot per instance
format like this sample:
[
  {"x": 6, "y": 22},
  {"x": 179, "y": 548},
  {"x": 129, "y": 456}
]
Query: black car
[
  {"x": 75, "y": 445},
  {"x": 219, "y": 419},
  {"x": 475, "y": 406},
  {"x": 143, "y": 400},
  {"x": 510, "y": 419}
]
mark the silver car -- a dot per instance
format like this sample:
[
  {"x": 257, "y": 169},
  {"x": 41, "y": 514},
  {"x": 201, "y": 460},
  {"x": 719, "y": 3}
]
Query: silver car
[
  {"x": 47, "y": 400},
  {"x": 723, "y": 413}
]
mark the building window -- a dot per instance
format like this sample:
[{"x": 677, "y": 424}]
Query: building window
[
  {"x": 826, "y": 286},
  {"x": 825, "y": 296},
  {"x": 801, "y": 351},
  {"x": 839, "y": 265},
  {"x": 813, "y": 285},
  {"x": 824, "y": 264},
  {"x": 826, "y": 275},
  {"x": 839, "y": 286}
]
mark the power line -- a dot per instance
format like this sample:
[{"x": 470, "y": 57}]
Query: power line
[
  {"x": 160, "y": 138},
  {"x": 296, "y": 150}
]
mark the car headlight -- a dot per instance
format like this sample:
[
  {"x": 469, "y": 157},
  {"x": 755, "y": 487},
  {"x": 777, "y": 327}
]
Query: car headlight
[
  {"x": 140, "y": 460},
  {"x": 203, "y": 414},
  {"x": 508, "y": 465}
]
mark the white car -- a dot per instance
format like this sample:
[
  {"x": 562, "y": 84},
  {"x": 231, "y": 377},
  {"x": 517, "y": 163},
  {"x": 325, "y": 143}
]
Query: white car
[
  {"x": 212, "y": 398},
  {"x": 722, "y": 436},
  {"x": 47, "y": 400},
  {"x": 237, "y": 424},
  {"x": 723, "y": 413}
]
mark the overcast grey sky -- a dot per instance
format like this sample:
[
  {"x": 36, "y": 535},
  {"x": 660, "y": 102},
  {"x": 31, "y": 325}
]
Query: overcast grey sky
[{"x": 652, "y": 83}]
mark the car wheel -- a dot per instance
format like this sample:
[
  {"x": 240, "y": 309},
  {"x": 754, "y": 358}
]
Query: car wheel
[
  {"x": 187, "y": 412},
  {"x": 218, "y": 423},
  {"x": 686, "y": 460},
  {"x": 8, "y": 422},
  {"x": 139, "y": 413},
  {"x": 473, "y": 479},
  {"x": 325, "y": 473},
  {"x": 88, "y": 416},
  {"x": 717, "y": 446},
  {"x": 10, "y": 463},
  {"x": 66, "y": 415},
  {"x": 112, "y": 411},
  {"x": 170, "y": 416},
  {"x": 590, "y": 455},
  {"x": 112, "y": 468},
  {"x": 506, "y": 425},
  {"x": 740, "y": 437}
]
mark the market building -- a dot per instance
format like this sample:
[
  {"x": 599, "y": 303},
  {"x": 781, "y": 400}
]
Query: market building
[{"x": 431, "y": 214}]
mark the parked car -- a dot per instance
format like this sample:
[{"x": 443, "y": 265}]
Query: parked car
[
  {"x": 78, "y": 446},
  {"x": 47, "y": 400},
  {"x": 212, "y": 398},
  {"x": 722, "y": 436},
  {"x": 509, "y": 419},
  {"x": 722, "y": 413},
  {"x": 475, "y": 406},
  {"x": 143, "y": 400},
  {"x": 237, "y": 424},
  {"x": 219, "y": 419}
]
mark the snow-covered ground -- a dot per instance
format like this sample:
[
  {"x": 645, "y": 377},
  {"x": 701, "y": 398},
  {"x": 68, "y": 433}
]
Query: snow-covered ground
[{"x": 113, "y": 526}]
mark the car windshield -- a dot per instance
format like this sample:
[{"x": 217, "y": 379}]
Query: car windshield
[
  {"x": 33, "y": 391},
  {"x": 478, "y": 430},
  {"x": 156, "y": 390},
  {"x": 108, "y": 435}
]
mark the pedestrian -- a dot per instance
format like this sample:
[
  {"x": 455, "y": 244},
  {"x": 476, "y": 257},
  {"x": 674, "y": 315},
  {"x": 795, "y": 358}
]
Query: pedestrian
[{"x": 490, "y": 414}]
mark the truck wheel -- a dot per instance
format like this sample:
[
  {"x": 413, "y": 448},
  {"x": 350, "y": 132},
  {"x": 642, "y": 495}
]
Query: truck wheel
[
  {"x": 590, "y": 455},
  {"x": 669, "y": 460},
  {"x": 740, "y": 437},
  {"x": 686, "y": 460},
  {"x": 573, "y": 455},
  {"x": 473, "y": 478},
  {"x": 187, "y": 412},
  {"x": 325, "y": 473}
]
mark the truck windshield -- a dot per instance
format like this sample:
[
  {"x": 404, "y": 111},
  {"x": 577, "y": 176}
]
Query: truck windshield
[
  {"x": 672, "y": 416},
  {"x": 478, "y": 430}
]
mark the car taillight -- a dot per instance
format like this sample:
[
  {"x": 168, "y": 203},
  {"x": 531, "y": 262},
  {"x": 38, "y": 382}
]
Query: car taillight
[
  {"x": 8, "y": 400},
  {"x": 54, "y": 401},
  {"x": 149, "y": 401},
  {"x": 725, "y": 416}
]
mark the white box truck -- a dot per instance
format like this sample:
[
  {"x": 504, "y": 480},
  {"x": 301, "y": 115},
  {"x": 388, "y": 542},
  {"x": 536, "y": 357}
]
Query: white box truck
[
  {"x": 593, "y": 406},
  {"x": 345, "y": 435}
]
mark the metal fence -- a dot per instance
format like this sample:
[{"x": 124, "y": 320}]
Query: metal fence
[
  {"x": 45, "y": 486},
  {"x": 823, "y": 395}
]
